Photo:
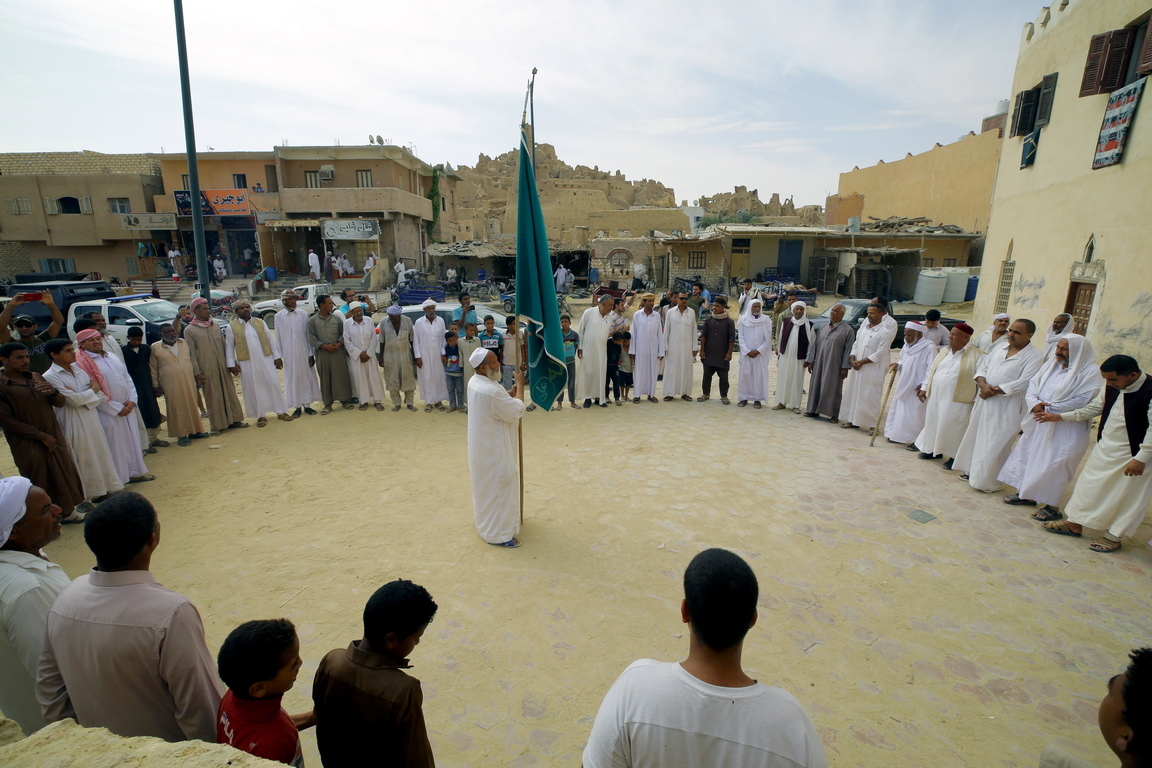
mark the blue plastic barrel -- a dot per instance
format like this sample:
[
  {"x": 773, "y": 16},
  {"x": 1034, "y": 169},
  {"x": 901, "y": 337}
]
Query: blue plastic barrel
[
  {"x": 973, "y": 285},
  {"x": 270, "y": 273},
  {"x": 594, "y": 276}
]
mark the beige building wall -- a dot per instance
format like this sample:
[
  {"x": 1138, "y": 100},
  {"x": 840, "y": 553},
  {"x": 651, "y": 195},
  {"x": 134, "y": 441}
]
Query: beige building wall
[
  {"x": 1045, "y": 216},
  {"x": 949, "y": 184}
]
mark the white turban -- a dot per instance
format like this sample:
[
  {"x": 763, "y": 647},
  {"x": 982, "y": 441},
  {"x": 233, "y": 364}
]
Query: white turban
[
  {"x": 1002, "y": 316},
  {"x": 13, "y": 494},
  {"x": 428, "y": 303},
  {"x": 915, "y": 326},
  {"x": 478, "y": 356}
]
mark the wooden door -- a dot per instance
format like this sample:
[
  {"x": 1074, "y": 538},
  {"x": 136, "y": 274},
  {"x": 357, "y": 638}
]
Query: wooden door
[{"x": 1079, "y": 305}]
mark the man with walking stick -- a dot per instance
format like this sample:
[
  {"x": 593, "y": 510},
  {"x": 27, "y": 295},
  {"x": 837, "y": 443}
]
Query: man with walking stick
[{"x": 869, "y": 359}]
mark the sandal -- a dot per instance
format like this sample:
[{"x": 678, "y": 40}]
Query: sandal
[
  {"x": 1017, "y": 501},
  {"x": 262, "y": 421},
  {"x": 284, "y": 417},
  {"x": 652, "y": 399},
  {"x": 701, "y": 399},
  {"x": 239, "y": 425},
  {"x": 1047, "y": 514},
  {"x": 184, "y": 442},
  {"x": 725, "y": 401},
  {"x": 363, "y": 406},
  {"x": 1061, "y": 527},
  {"x": 511, "y": 543},
  {"x": 757, "y": 405},
  {"x": 686, "y": 398},
  {"x": 325, "y": 410},
  {"x": 159, "y": 444},
  {"x": 1103, "y": 544},
  {"x": 379, "y": 406},
  {"x": 427, "y": 409},
  {"x": 668, "y": 398}
]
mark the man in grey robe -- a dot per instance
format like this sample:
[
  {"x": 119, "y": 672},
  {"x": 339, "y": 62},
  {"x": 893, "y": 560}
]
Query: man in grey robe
[
  {"x": 828, "y": 363},
  {"x": 395, "y": 357},
  {"x": 326, "y": 336}
]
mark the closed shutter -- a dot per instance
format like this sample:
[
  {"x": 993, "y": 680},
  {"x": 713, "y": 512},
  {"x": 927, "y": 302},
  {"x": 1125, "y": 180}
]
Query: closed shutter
[
  {"x": 51, "y": 206},
  {"x": 1047, "y": 96},
  {"x": 1090, "y": 84},
  {"x": 11, "y": 205},
  {"x": 1144, "y": 58},
  {"x": 1024, "y": 120},
  {"x": 1116, "y": 56},
  {"x": 85, "y": 205}
]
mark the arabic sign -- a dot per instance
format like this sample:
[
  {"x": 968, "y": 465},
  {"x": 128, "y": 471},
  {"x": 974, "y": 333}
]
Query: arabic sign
[
  {"x": 350, "y": 229},
  {"x": 214, "y": 202},
  {"x": 149, "y": 220}
]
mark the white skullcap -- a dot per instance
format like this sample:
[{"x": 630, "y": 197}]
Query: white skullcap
[
  {"x": 1002, "y": 316},
  {"x": 13, "y": 494},
  {"x": 427, "y": 303},
  {"x": 915, "y": 326},
  {"x": 354, "y": 305},
  {"x": 478, "y": 356}
]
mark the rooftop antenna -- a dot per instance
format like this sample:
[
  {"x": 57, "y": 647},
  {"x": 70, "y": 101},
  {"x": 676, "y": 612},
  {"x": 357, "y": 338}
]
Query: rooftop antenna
[
  {"x": 371, "y": 139},
  {"x": 379, "y": 140}
]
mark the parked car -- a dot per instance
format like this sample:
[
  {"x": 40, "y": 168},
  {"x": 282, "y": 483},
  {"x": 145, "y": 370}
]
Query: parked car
[
  {"x": 856, "y": 314},
  {"x": 266, "y": 310},
  {"x": 124, "y": 312},
  {"x": 445, "y": 309},
  {"x": 65, "y": 293}
]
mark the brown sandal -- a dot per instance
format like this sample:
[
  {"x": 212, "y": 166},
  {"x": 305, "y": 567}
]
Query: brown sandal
[
  {"x": 1103, "y": 544},
  {"x": 262, "y": 421}
]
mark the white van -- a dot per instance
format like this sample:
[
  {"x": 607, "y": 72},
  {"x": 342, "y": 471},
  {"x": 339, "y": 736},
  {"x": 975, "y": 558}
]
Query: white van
[{"x": 124, "y": 312}]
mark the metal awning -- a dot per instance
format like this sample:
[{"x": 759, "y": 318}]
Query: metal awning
[{"x": 287, "y": 223}]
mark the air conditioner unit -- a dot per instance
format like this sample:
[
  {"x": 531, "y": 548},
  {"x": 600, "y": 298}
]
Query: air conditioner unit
[{"x": 327, "y": 172}]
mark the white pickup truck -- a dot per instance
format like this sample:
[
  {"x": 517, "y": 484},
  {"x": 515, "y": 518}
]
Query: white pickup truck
[{"x": 266, "y": 310}]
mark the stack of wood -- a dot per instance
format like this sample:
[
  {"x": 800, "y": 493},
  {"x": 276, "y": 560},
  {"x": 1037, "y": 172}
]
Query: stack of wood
[{"x": 910, "y": 224}]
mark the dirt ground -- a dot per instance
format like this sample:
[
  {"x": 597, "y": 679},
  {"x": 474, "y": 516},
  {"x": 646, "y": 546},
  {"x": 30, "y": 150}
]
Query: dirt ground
[{"x": 971, "y": 640}]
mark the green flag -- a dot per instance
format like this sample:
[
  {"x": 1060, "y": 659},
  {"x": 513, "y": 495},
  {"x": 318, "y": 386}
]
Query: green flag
[{"x": 536, "y": 290}]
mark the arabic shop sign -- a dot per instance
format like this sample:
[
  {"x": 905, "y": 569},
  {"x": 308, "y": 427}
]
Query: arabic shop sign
[
  {"x": 214, "y": 202},
  {"x": 148, "y": 220},
  {"x": 350, "y": 229}
]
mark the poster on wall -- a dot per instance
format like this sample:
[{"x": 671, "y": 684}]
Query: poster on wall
[
  {"x": 214, "y": 202},
  {"x": 1117, "y": 120}
]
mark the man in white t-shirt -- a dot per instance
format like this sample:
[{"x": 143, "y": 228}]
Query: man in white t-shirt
[{"x": 704, "y": 711}]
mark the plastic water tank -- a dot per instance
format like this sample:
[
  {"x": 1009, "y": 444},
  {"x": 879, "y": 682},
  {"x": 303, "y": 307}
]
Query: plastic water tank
[
  {"x": 957, "y": 285},
  {"x": 930, "y": 287},
  {"x": 973, "y": 286}
]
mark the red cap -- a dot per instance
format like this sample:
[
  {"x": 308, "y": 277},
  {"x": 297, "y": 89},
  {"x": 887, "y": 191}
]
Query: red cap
[{"x": 964, "y": 327}]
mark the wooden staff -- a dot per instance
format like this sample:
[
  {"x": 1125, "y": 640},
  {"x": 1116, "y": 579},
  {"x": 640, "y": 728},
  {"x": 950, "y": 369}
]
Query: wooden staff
[
  {"x": 883, "y": 405},
  {"x": 520, "y": 450}
]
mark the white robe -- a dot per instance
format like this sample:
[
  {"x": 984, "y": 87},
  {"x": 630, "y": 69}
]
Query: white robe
[
  {"x": 681, "y": 339},
  {"x": 122, "y": 432},
  {"x": 1045, "y": 458},
  {"x": 362, "y": 337},
  {"x": 995, "y": 421},
  {"x": 944, "y": 419},
  {"x": 864, "y": 390},
  {"x": 313, "y": 266},
  {"x": 593, "y": 346},
  {"x": 258, "y": 378},
  {"x": 80, "y": 420},
  {"x": 301, "y": 386},
  {"x": 427, "y": 346},
  {"x": 984, "y": 341},
  {"x": 752, "y": 379},
  {"x": 648, "y": 347},
  {"x": 905, "y": 411},
  {"x": 1104, "y": 499},
  {"x": 492, "y": 459},
  {"x": 790, "y": 365},
  {"x": 561, "y": 276}
]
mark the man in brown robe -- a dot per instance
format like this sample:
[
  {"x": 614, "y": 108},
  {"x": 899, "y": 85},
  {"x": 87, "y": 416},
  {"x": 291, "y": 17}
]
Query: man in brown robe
[
  {"x": 39, "y": 448},
  {"x": 828, "y": 363},
  {"x": 206, "y": 345},
  {"x": 172, "y": 376}
]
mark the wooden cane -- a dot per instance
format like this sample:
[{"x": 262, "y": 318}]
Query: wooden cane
[
  {"x": 520, "y": 442},
  {"x": 883, "y": 405}
]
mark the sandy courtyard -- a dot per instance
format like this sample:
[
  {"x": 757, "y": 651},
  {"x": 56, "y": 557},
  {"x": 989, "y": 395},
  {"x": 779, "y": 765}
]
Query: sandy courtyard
[{"x": 973, "y": 639}]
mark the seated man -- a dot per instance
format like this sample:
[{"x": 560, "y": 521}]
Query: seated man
[{"x": 704, "y": 711}]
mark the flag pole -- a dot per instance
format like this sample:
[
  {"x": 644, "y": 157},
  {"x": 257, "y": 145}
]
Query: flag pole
[{"x": 520, "y": 424}]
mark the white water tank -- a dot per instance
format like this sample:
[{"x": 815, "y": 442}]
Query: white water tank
[
  {"x": 930, "y": 287},
  {"x": 957, "y": 285}
]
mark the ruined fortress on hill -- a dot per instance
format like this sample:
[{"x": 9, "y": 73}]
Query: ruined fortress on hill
[{"x": 581, "y": 204}]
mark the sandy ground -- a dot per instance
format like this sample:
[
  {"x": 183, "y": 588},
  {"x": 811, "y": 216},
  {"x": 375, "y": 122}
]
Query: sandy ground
[{"x": 973, "y": 639}]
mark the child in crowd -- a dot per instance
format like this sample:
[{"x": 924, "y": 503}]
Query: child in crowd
[
  {"x": 624, "y": 374},
  {"x": 366, "y": 705},
  {"x": 468, "y": 345},
  {"x": 612, "y": 380},
  {"x": 491, "y": 339},
  {"x": 259, "y": 662},
  {"x": 454, "y": 372},
  {"x": 514, "y": 354},
  {"x": 571, "y": 339}
]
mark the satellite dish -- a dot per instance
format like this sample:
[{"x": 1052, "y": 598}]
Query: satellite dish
[
  {"x": 379, "y": 140},
  {"x": 370, "y": 140}
]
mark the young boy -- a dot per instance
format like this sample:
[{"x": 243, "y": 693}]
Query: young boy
[
  {"x": 137, "y": 357},
  {"x": 259, "y": 662},
  {"x": 454, "y": 372},
  {"x": 365, "y": 703},
  {"x": 514, "y": 354},
  {"x": 571, "y": 339},
  {"x": 491, "y": 339},
  {"x": 468, "y": 345},
  {"x": 624, "y": 373},
  {"x": 612, "y": 380}
]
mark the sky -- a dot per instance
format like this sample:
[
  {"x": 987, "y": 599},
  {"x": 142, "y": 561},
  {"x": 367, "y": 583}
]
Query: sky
[{"x": 776, "y": 96}]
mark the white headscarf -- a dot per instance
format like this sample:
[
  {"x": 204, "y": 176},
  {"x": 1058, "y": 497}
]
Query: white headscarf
[
  {"x": 13, "y": 495},
  {"x": 748, "y": 320},
  {"x": 1052, "y": 337},
  {"x": 803, "y": 319},
  {"x": 1083, "y": 373}
]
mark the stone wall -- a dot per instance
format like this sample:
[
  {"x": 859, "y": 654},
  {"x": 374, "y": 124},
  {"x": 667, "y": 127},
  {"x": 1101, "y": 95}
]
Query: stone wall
[
  {"x": 31, "y": 163},
  {"x": 14, "y": 259}
]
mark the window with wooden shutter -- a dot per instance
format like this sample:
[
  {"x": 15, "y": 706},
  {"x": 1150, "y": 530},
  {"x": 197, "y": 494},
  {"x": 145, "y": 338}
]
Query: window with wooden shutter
[
  {"x": 1144, "y": 58},
  {"x": 1047, "y": 96},
  {"x": 1116, "y": 55},
  {"x": 10, "y": 204},
  {"x": 51, "y": 206},
  {"x": 1024, "y": 118},
  {"x": 1090, "y": 84},
  {"x": 85, "y": 205}
]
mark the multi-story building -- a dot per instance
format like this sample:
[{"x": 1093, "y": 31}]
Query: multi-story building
[
  {"x": 67, "y": 212},
  {"x": 1070, "y": 225}
]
